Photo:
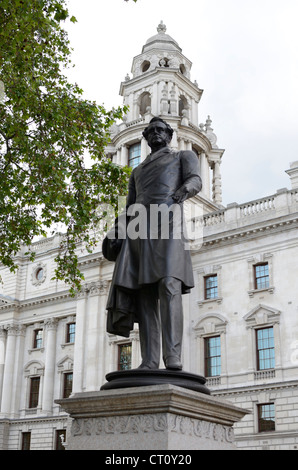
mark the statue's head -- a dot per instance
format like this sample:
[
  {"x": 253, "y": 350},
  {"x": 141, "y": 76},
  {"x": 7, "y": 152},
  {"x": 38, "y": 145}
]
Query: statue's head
[{"x": 158, "y": 133}]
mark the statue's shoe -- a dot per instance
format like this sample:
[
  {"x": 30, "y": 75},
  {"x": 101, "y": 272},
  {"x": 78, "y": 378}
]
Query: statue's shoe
[{"x": 173, "y": 363}]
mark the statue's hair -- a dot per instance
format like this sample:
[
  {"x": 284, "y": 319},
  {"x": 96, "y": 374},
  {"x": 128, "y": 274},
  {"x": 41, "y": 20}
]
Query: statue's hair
[{"x": 156, "y": 118}]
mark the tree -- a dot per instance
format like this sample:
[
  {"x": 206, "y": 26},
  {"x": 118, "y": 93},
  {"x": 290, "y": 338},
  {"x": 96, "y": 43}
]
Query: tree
[{"x": 46, "y": 129}]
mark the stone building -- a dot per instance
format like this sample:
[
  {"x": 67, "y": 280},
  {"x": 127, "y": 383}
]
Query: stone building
[{"x": 241, "y": 319}]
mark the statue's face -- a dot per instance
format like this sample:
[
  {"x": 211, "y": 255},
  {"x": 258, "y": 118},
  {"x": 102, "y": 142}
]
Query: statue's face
[{"x": 157, "y": 135}]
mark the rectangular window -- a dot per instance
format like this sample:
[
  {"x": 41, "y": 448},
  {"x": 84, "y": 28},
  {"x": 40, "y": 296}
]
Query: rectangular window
[
  {"x": 60, "y": 439},
  {"x": 70, "y": 332},
  {"x": 124, "y": 356},
  {"x": 134, "y": 155},
  {"x": 67, "y": 385},
  {"x": 26, "y": 440},
  {"x": 37, "y": 342},
  {"x": 261, "y": 276},
  {"x": 34, "y": 392},
  {"x": 211, "y": 288},
  {"x": 266, "y": 417},
  {"x": 212, "y": 356},
  {"x": 265, "y": 348}
]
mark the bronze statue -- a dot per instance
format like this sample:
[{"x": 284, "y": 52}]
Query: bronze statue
[{"x": 153, "y": 270}]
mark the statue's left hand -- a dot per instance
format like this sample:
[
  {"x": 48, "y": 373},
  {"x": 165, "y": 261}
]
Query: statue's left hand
[{"x": 180, "y": 195}]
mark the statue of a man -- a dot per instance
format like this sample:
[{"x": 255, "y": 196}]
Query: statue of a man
[{"x": 152, "y": 271}]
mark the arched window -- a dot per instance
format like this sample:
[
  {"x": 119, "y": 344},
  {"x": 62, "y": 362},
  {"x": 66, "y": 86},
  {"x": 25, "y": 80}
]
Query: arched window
[
  {"x": 182, "y": 104},
  {"x": 144, "y": 103},
  {"x": 182, "y": 69}
]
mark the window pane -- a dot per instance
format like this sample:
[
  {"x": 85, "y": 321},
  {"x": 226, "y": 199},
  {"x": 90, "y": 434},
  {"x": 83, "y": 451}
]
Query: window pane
[
  {"x": 212, "y": 356},
  {"x": 60, "y": 439},
  {"x": 265, "y": 349},
  {"x": 26, "y": 438},
  {"x": 266, "y": 417},
  {"x": 71, "y": 332},
  {"x": 67, "y": 388},
  {"x": 34, "y": 392},
  {"x": 134, "y": 155},
  {"x": 37, "y": 339},
  {"x": 261, "y": 276},
  {"x": 124, "y": 361},
  {"x": 211, "y": 291}
]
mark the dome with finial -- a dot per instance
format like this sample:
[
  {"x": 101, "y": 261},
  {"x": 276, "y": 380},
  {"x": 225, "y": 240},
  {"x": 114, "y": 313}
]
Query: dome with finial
[
  {"x": 159, "y": 52},
  {"x": 161, "y": 40}
]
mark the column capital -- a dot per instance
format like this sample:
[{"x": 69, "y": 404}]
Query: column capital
[
  {"x": 51, "y": 323},
  {"x": 15, "y": 330}
]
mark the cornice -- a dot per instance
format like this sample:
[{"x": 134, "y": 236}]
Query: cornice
[
  {"x": 148, "y": 77},
  {"x": 248, "y": 389},
  {"x": 249, "y": 232},
  {"x": 40, "y": 419},
  {"x": 37, "y": 301}
]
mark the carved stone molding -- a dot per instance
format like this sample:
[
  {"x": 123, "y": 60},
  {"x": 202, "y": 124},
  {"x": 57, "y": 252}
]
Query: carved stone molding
[
  {"x": 119, "y": 425},
  {"x": 15, "y": 330},
  {"x": 94, "y": 288},
  {"x": 39, "y": 274},
  {"x": 152, "y": 423},
  {"x": 51, "y": 323}
]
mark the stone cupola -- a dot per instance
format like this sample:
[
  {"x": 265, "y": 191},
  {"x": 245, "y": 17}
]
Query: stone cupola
[{"x": 160, "y": 85}]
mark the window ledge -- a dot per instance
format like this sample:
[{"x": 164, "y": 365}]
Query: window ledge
[
  {"x": 35, "y": 349},
  {"x": 63, "y": 345},
  {"x": 208, "y": 301},
  {"x": 252, "y": 292}
]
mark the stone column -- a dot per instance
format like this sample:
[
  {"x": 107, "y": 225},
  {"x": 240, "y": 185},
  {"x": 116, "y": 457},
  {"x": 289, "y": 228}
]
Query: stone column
[
  {"x": 135, "y": 349},
  {"x": 144, "y": 149},
  {"x": 181, "y": 144},
  {"x": 124, "y": 156},
  {"x": 79, "y": 346},
  {"x": 92, "y": 337},
  {"x": 102, "y": 346},
  {"x": 12, "y": 331},
  {"x": 18, "y": 371},
  {"x": 188, "y": 145},
  {"x": 50, "y": 360},
  {"x": 3, "y": 335},
  {"x": 205, "y": 175},
  {"x": 217, "y": 183}
]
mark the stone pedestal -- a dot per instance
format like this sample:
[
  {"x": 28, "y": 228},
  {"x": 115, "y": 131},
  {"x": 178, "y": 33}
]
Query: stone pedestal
[{"x": 153, "y": 417}]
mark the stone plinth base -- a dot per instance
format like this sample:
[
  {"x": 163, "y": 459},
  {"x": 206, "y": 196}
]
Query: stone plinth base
[
  {"x": 141, "y": 377},
  {"x": 158, "y": 417}
]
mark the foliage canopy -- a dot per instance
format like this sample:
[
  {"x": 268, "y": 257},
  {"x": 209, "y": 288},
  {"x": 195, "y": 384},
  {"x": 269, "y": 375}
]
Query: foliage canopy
[{"x": 46, "y": 131}]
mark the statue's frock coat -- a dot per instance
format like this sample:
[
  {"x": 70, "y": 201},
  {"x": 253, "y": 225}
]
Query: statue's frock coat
[{"x": 153, "y": 250}]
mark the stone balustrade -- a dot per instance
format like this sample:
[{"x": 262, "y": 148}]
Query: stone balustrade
[{"x": 259, "y": 211}]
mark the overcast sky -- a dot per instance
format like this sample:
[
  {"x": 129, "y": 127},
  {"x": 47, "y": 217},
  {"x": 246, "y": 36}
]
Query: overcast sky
[{"x": 245, "y": 58}]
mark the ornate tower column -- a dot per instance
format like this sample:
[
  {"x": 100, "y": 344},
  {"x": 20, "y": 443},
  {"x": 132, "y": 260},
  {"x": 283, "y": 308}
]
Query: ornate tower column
[{"x": 217, "y": 183}]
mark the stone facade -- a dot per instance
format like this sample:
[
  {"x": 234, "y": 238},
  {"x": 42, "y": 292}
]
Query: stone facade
[{"x": 234, "y": 240}]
